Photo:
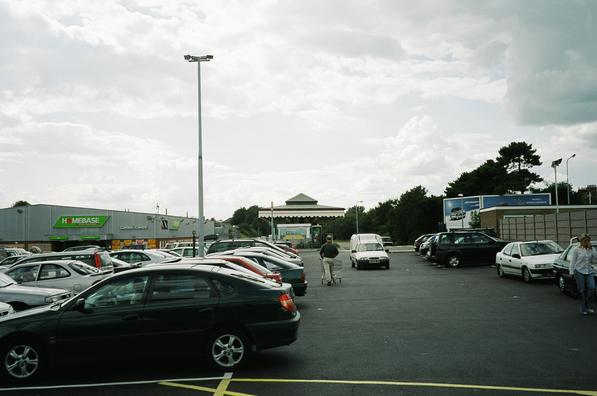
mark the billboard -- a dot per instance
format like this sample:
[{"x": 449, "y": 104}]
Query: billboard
[{"x": 458, "y": 211}]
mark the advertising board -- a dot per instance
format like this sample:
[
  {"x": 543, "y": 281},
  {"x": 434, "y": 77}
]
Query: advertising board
[{"x": 459, "y": 212}]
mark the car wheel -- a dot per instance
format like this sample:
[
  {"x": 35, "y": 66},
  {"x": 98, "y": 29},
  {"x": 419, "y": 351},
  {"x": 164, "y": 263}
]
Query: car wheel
[
  {"x": 562, "y": 284},
  {"x": 500, "y": 271},
  {"x": 21, "y": 360},
  {"x": 352, "y": 263},
  {"x": 228, "y": 349},
  {"x": 526, "y": 275},
  {"x": 453, "y": 260},
  {"x": 388, "y": 266}
]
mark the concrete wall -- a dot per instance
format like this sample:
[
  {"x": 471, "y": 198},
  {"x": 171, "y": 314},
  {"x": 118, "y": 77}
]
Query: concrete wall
[{"x": 558, "y": 228}]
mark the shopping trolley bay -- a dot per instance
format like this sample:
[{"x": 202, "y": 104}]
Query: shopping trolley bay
[{"x": 411, "y": 329}]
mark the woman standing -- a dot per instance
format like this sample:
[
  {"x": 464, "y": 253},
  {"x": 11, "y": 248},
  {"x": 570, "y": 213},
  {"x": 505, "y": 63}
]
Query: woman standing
[{"x": 580, "y": 266}]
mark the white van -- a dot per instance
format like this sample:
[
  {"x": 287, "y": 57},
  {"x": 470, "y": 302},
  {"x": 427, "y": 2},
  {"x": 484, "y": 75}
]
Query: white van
[{"x": 366, "y": 250}]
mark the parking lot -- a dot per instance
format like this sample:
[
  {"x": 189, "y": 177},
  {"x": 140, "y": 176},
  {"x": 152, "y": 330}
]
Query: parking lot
[{"x": 415, "y": 329}]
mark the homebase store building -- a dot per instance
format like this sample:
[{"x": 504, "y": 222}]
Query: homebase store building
[{"x": 57, "y": 227}]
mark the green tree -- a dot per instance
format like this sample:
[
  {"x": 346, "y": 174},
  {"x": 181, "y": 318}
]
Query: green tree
[
  {"x": 20, "y": 203},
  {"x": 517, "y": 158},
  {"x": 488, "y": 178},
  {"x": 248, "y": 222},
  {"x": 575, "y": 197}
]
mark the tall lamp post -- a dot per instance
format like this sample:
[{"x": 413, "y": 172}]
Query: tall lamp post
[
  {"x": 199, "y": 59},
  {"x": 462, "y": 209},
  {"x": 555, "y": 165},
  {"x": 567, "y": 182},
  {"x": 357, "y": 213}
]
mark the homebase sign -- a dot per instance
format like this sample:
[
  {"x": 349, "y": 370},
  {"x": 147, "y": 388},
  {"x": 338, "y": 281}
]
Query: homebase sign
[{"x": 81, "y": 221}]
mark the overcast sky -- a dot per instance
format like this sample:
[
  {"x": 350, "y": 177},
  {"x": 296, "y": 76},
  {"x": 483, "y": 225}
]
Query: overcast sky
[{"x": 341, "y": 100}]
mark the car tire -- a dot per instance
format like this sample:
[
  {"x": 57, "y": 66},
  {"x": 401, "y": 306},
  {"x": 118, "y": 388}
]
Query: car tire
[
  {"x": 352, "y": 263},
  {"x": 453, "y": 260},
  {"x": 500, "y": 271},
  {"x": 387, "y": 267},
  {"x": 526, "y": 275},
  {"x": 562, "y": 284},
  {"x": 21, "y": 360},
  {"x": 228, "y": 349}
]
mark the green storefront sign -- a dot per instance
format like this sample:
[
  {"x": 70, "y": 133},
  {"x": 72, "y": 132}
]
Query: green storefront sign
[
  {"x": 58, "y": 238},
  {"x": 81, "y": 221}
]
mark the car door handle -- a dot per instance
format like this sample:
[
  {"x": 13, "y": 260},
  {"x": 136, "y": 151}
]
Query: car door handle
[{"x": 131, "y": 317}]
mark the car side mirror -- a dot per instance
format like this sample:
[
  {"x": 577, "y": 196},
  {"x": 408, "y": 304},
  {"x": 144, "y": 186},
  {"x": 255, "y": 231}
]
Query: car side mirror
[
  {"x": 387, "y": 250},
  {"x": 79, "y": 305},
  {"x": 353, "y": 251},
  {"x": 516, "y": 256}
]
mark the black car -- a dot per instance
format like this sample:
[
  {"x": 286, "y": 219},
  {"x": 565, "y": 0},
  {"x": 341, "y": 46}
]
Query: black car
[
  {"x": 172, "y": 309},
  {"x": 466, "y": 247},
  {"x": 561, "y": 270}
]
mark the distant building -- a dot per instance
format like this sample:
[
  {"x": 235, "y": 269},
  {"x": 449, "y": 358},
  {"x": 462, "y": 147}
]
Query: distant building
[{"x": 54, "y": 227}]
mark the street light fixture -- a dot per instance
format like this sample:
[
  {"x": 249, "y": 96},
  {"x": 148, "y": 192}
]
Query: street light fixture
[
  {"x": 199, "y": 59},
  {"x": 462, "y": 209},
  {"x": 555, "y": 165},
  {"x": 567, "y": 182},
  {"x": 356, "y": 207}
]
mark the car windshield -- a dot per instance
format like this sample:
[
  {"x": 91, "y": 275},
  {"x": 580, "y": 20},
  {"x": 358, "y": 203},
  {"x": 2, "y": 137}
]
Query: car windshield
[
  {"x": 539, "y": 248},
  {"x": 6, "y": 280},
  {"x": 370, "y": 247}
]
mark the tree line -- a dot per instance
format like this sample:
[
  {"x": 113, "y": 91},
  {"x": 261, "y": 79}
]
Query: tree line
[{"x": 416, "y": 212}]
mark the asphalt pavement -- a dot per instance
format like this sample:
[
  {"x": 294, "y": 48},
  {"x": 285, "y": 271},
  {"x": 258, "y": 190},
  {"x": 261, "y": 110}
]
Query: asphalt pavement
[{"x": 412, "y": 330}]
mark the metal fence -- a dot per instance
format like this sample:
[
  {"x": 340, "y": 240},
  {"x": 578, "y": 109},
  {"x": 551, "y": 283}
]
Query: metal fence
[{"x": 559, "y": 228}]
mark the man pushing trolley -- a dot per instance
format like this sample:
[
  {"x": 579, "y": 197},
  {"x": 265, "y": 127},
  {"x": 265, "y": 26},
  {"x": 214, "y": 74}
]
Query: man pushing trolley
[{"x": 328, "y": 254}]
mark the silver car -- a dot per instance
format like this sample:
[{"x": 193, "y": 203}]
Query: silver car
[
  {"x": 72, "y": 275},
  {"x": 23, "y": 297},
  {"x": 5, "y": 309},
  {"x": 141, "y": 256}
]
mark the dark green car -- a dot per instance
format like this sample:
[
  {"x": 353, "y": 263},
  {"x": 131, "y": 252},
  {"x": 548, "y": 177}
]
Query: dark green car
[{"x": 155, "y": 311}]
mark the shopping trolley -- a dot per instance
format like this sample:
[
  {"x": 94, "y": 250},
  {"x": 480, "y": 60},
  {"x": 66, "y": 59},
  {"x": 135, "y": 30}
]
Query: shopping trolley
[{"x": 336, "y": 272}]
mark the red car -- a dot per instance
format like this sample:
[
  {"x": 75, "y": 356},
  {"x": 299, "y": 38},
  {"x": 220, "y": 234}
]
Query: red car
[{"x": 251, "y": 266}]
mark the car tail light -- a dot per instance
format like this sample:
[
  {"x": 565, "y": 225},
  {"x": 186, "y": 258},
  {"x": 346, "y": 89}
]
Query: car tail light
[
  {"x": 287, "y": 303},
  {"x": 276, "y": 277},
  {"x": 97, "y": 260}
]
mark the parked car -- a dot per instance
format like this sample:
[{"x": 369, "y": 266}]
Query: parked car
[
  {"x": 276, "y": 253},
  {"x": 187, "y": 251},
  {"x": 184, "y": 309},
  {"x": 9, "y": 261},
  {"x": 75, "y": 276},
  {"x": 231, "y": 244},
  {"x": 387, "y": 241},
  {"x": 528, "y": 260},
  {"x": 468, "y": 247},
  {"x": 95, "y": 257},
  {"x": 369, "y": 253},
  {"x": 291, "y": 273},
  {"x": 140, "y": 256},
  {"x": 286, "y": 246},
  {"x": 420, "y": 240},
  {"x": 561, "y": 271},
  {"x": 424, "y": 247},
  {"x": 251, "y": 266},
  {"x": 430, "y": 254},
  {"x": 82, "y": 247},
  {"x": 24, "y": 297},
  {"x": 457, "y": 214},
  {"x": 6, "y": 309},
  {"x": 120, "y": 265}
]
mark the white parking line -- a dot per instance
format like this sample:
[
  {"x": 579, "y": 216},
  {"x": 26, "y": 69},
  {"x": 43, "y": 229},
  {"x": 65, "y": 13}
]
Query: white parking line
[{"x": 105, "y": 384}]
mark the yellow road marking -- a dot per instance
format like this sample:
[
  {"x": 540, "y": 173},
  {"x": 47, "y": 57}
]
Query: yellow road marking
[
  {"x": 421, "y": 384},
  {"x": 223, "y": 385},
  {"x": 202, "y": 389}
]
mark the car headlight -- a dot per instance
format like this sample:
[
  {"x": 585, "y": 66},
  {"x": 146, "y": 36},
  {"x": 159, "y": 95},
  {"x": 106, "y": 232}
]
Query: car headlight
[
  {"x": 53, "y": 299},
  {"x": 542, "y": 266}
]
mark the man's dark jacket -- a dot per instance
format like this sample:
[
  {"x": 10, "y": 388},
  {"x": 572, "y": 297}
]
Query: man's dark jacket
[{"x": 328, "y": 250}]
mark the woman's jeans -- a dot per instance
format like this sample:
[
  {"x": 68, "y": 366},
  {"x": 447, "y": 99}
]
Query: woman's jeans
[{"x": 586, "y": 287}]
